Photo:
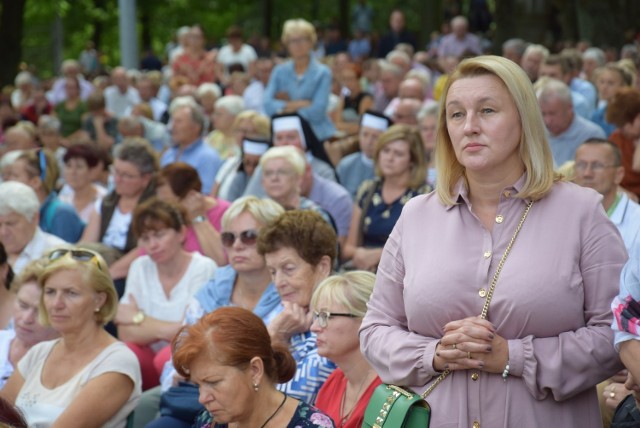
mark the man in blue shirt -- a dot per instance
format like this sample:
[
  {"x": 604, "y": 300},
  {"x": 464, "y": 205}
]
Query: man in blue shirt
[{"x": 186, "y": 131}]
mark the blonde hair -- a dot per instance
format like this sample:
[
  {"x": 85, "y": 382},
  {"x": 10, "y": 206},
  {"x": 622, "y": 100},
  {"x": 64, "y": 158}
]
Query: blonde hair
[
  {"x": 260, "y": 122},
  {"x": 351, "y": 290},
  {"x": 94, "y": 273},
  {"x": 534, "y": 148},
  {"x": 411, "y": 135},
  {"x": 291, "y": 154},
  {"x": 30, "y": 273},
  {"x": 264, "y": 211},
  {"x": 298, "y": 26}
]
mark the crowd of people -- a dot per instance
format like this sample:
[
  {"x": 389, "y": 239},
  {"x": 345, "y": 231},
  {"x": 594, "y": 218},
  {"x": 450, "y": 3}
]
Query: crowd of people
[{"x": 252, "y": 240}]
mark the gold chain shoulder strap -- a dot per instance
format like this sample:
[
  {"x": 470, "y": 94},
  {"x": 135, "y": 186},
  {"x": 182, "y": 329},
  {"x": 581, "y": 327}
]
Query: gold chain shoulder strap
[{"x": 492, "y": 287}]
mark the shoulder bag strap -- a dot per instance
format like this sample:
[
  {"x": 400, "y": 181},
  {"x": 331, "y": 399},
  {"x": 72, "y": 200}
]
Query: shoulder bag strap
[{"x": 492, "y": 287}]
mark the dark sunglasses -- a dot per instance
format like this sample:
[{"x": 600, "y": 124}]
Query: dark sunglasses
[
  {"x": 247, "y": 237},
  {"x": 79, "y": 255}
]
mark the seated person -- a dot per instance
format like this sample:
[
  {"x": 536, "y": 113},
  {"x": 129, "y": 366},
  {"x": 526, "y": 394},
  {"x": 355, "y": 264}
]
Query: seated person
[
  {"x": 20, "y": 233},
  {"x": 70, "y": 375},
  {"x": 134, "y": 169},
  {"x": 234, "y": 344},
  {"x": 244, "y": 282},
  {"x": 357, "y": 167},
  {"x": 339, "y": 304},
  {"x": 38, "y": 169},
  {"x": 7, "y": 298},
  {"x": 26, "y": 331},
  {"x": 400, "y": 175},
  {"x": 237, "y": 181},
  {"x": 159, "y": 285},
  {"x": 180, "y": 183}
]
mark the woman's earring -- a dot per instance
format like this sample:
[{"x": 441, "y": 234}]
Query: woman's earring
[{"x": 256, "y": 387}]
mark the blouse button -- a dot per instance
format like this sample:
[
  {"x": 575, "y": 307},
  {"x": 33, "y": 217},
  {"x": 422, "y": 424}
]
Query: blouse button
[
  {"x": 487, "y": 254},
  {"x": 475, "y": 376},
  {"x": 476, "y": 424},
  {"x": 482, "y": 293},
  {"x": 499, "y": 219}
]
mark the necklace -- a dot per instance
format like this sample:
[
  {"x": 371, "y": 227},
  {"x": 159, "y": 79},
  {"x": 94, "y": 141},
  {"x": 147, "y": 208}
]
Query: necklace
[
  {"x": 276, "y": 412},
  {"x": 345, "y": 418}
]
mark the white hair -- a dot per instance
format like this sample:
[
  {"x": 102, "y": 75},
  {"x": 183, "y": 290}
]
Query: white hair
[
  {"x": 290, "y": 154},
  {"x": 233, "y": 104},
  {"x": 183, "y": 101},
  {"x": 23, "y": 78},
  {"x": 208, "y": 88},
  {"x": 18, "y": 198},
  {"x": 398, "y": 54},
  {"x": 595, "y": 53}
]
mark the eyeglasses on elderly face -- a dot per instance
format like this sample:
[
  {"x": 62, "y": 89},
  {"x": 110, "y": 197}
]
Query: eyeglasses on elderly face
[
  {"x": 595, "y": 166},
  {"x": 323, "y": 317},
  {"x": 79, "y": 255},
  {"x": 247, "y": 237}
]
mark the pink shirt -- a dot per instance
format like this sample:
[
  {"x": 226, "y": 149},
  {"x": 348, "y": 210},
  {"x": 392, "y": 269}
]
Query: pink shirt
[
  {"x": 215, "y": 216},
  {"x": 551, "y": 303}
]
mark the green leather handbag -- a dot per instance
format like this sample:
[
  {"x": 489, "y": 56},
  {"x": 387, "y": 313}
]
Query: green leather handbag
[{"x": 393, "y": 407}]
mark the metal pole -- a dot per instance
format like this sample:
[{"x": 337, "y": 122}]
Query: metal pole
[{"x": 128, "y": 34}]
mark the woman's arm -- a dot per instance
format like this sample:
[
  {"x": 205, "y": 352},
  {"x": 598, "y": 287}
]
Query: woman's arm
[
  {"x": 321, "y": 88},
  {"x": 148, "y": 331},
  {"x": 91, "y": 231},
  {"x": 365, "y": 104},
  {"x": 13, "y": 386},
  {"x": 270, "y": 103},
  {"x": 98, "y": 401},
  {"x": 635, "y": 163},
  {"x": 210, "y": 243},
  {"x": 120, "y": 268},
  {"x": 352, "y": 238}
]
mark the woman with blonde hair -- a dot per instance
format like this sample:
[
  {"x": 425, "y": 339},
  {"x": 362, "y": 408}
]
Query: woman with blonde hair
[
  {"x": 475, "y": 289},
  {"x": 62, "y": 382},
  {"x": 609, "y": 78},
  {"x": 301, "y": 85},
  {"x": 400, "y": 175},
  {"x": 339, "y": 303}
]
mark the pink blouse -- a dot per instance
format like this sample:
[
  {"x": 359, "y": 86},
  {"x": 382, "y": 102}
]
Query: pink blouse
[
  {"x": 215, "y": 217},
  {"x": 551, "y": 303}
]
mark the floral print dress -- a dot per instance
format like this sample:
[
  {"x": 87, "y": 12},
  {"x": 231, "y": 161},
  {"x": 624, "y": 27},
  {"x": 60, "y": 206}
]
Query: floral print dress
[{"x": 306, "y": 416}]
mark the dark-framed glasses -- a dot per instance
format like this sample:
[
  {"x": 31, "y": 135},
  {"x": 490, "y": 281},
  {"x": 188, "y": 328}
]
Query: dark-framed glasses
[
  {"x": 79, "y": 255},
  {"x": 323, "y": 317},
  {"x": 247, "y": 237}
]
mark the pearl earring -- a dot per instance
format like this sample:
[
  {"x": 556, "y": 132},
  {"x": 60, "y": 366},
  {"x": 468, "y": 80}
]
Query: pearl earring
[{"x": 256, "y": 387}]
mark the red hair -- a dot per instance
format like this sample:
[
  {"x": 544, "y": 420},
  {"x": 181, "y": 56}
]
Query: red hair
[{"x": 232, "y": 336}]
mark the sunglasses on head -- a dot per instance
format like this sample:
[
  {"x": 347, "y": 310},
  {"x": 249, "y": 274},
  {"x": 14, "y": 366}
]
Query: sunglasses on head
[
  {"x": 247, "y": 237},
  {"x": 79, "y": 255}
]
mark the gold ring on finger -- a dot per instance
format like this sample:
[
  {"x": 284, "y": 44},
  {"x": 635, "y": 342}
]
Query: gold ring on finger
[
  {"x": 469, "y": 355},
  {"x": 454, "y": 346}
]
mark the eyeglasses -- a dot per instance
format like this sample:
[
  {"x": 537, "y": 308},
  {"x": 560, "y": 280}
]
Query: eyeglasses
[
  {"x": 247, "y": 237},
  {"x": 123, "y": 175},
  {"x": 595, "y": 166},
  {"x": 323, "y": 317},
  {"x": 269, "y": 173},
  {"x": 79, "y": 255}
]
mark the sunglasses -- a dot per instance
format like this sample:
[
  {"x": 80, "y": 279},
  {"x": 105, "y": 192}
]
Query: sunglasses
[
  {"x": 247, "y": 237},
  {"x": 79, "y": 255}
]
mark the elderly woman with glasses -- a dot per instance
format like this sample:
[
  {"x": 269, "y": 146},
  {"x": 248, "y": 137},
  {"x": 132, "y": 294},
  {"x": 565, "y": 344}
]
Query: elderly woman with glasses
[
  {"x": 134, "y": 169},
  {"x": 86, "y": 377},
  {"x": 159, "y": 285},
  {"x": 244, "y": 282},
  {"x": 339, "y": 304}
]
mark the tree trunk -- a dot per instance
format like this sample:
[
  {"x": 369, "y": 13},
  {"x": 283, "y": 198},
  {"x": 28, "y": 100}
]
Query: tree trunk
[{"x": 11, "y": 23}]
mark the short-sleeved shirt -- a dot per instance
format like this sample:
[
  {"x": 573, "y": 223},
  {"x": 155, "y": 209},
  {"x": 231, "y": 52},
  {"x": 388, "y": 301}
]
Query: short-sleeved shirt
[{"x": 42, "y": 406}]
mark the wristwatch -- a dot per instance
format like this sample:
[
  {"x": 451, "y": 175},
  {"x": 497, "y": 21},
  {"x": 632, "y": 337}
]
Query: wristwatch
[
  {"x": 138, "y": 318},
  {"x": 198, "y": 219}
]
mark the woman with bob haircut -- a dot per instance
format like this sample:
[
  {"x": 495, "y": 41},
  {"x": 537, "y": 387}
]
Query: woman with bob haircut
[
  {"x": 159, "y": 286},
  {"x": 400, "y": 171},
  {"x": 180, "y": 183},
  {"x": 301, "y": 84},
  {"x": 546, "y": 342},
  {"x": 62, "y": 382},
  {"x": 339, "y": 304},
  {"x": 229, "y": 355}
]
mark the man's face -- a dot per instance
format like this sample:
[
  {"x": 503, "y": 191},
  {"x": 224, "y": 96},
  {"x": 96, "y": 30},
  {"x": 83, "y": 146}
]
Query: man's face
[
  {"x": 16, "y": 232},
  {"x": 557, "y": 115},
  {"x": 184, "y": 130},
  {"x": 390, "y": 84},
  {"x": 531, "y": 64},
  {"x": 396, "y": 21},
  {"x": 595, "y": 168},
  {"x": 552, "y": 71}
]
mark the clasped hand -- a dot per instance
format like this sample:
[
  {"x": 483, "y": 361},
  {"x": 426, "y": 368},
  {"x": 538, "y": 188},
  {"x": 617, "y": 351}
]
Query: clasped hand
[
  {"x": 292, "y": 320},
  {"x": 471, "y": 343}
]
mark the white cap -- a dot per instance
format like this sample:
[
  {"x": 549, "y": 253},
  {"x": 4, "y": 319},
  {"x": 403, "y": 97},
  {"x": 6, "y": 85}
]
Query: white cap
[
  {"x": 254, "y": 147},
  {"x": 375, "y": 122},
  {"x": 288, "y": 123}
]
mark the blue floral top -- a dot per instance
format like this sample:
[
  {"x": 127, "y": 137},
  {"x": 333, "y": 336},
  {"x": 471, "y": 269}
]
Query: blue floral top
[{"x": 306, "y": 416}]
